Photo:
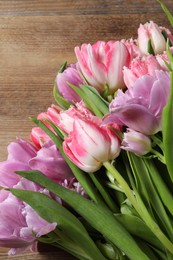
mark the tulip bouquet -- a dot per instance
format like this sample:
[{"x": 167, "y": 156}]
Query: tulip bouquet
[{"x": 96, "y": 177}]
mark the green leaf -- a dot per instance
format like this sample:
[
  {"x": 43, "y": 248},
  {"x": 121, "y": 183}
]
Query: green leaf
[
  {"x": 59, "y": 99},
  {"x": 94, "y": 90},
  {"x": 62, "y": 67},
  {"x": 161, "y": 187},
  {"x": 150, "y": 48},
  {"x": 167, "y": 130},
  {"x": 97, "y": 216},
  {"x": 138, "y": 228},
  {"x": 168, "y": 14},
  {"x": 165, "y": 35},
  {"x": 104, "y": 192},
  {"x": 169, "y": 53},
  {"x": 95, "y": 97},
  {"x": 89, "y": 103},
  {"x": 146, "y": 248},
  {"x": 110, "y": 252},
  {"x": 142, "y": 170},
  {"x": 139, "y": 182},
  {"x": 57, "y": 130},
  {"x": 52, "y": 211}
]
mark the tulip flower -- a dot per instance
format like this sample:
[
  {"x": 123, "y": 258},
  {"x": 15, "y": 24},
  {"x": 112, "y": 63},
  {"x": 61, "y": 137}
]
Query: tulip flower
[
  {"x": 24, "y": 156},
  {"x": 132, "y": 48},
  {"x": 136, "y": 142},
  {"x": 18, "y": 221},
  {"x": 19, "y": 154},
  {"x": 10, "y": 230},
  {"x": 51, "y": 163},
  {"x": 151, "y": 32},
  {"x": 140, "y": 107},
  {"x": 147, "y": 65},
  {"x": 102, "y": 64},
  {"x": 88, "y": 145},
  {"x": 66, "y": 117},
  {"x": 38, "y": 137},
  {"x": 161, "y": 58},
  {"x": 69, "y": 75},
  {"x": 63, "y": 119}
]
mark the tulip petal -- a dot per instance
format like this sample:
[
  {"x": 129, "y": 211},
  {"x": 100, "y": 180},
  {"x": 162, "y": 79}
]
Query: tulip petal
[
  {"x": 118, "y": 54},
  {"x": 8, "y": 178},
  {"x": 136, "y": 117},
  {"x": 51, "y": 163},
  {"x": 94, "y": 139},
  {"x": 21, "y": 151}
]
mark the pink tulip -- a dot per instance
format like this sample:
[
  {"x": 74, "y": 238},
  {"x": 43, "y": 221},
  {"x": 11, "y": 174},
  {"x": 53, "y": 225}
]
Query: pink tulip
[
  {"x": 38, "y": 137},
  {"x": 136, "y": 142},
  {"x": 89, "y": 145},
  {"x": 147, "y": 65},
  {"x": 102, "y": 64},
  {"x": 69, "y": 75},
  {"x": 152, "y": 32},
  {"x": 161, "y": 58},
  {"x": 140, "y": 107},
  {"x": 132, "y": 48},
  {"x": 67, "y": 117},
  {"x": 63, "y": 119}
]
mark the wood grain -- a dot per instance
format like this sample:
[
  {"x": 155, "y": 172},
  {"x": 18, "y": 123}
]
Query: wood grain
[{"x": 36, "y": 37}]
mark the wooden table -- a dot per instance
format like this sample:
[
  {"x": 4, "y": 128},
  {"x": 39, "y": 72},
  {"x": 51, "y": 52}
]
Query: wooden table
[{"x": 36, "y": 37}]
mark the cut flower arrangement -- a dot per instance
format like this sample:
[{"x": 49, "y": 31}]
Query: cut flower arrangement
[{"x": 96, "y": 178}]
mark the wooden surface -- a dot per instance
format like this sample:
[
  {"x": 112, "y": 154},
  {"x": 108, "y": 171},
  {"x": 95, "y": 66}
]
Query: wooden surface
[{"x": 36, "y": 37}]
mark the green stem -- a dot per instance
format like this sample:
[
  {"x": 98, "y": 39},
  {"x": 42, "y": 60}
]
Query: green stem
[
  {"x": 140, "y": 207},
  {"x": 157, "y": 141},
  {"x": 109, "y": 201},
  {"x": 159, "y": 156}
]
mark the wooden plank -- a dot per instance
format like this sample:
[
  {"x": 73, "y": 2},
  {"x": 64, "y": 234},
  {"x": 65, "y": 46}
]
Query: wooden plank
[{"x": 75, "y": 7}]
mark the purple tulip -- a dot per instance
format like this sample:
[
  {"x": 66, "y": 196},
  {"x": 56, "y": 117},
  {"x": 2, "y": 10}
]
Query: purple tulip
[
  {"x": 69, "y": 75},
  {"x": 19, "y": 154},
  {"x": 51, "y": 163},
  {"x": 140, "y": 107},
  {"x": 24, "y": 156},
  {"x": 18, "y": 220},
  {"x": 21, "y": 151}
]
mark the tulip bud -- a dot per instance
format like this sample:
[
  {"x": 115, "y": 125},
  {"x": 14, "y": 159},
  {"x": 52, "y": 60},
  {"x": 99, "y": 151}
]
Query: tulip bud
[
  {"x": 69, "y": 75},
  {"x": 151, "y": 39},
  {"x": 136, "y": 142},
  {"x": 89, "y": 145}
]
